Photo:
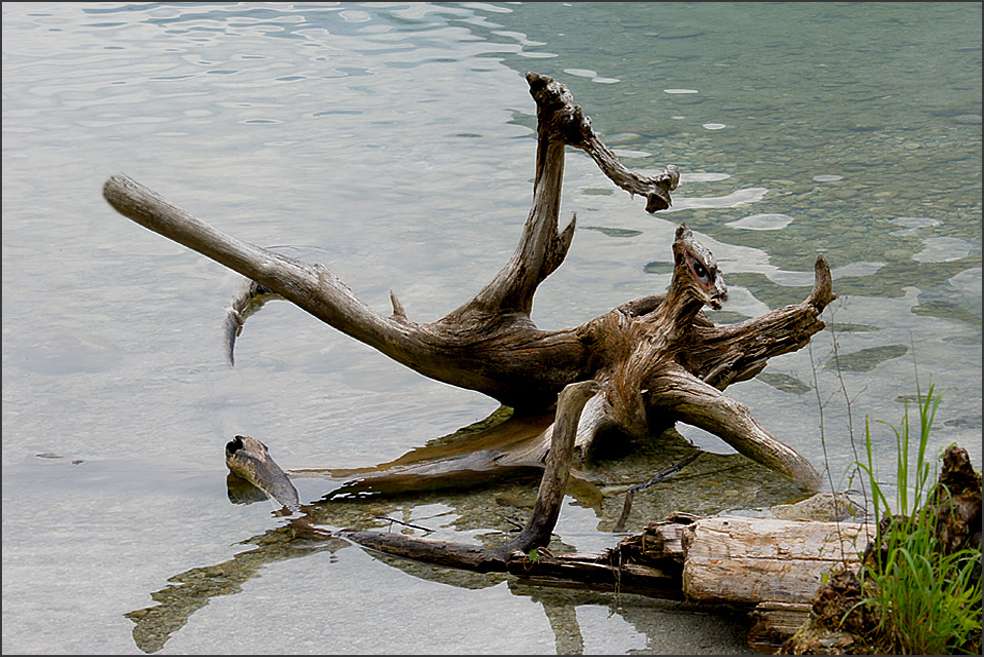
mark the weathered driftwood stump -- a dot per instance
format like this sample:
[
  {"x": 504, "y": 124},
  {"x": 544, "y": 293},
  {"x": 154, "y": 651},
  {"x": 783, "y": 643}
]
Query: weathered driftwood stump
[{"x": 655, "y": 360}]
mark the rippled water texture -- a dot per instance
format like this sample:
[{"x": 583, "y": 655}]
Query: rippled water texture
[{"x": 395, "y": 142}]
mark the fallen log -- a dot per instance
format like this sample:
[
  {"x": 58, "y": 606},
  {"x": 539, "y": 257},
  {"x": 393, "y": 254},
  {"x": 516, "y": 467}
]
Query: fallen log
[
  {"x": 767, "y": 566},
  {"x": 731, "y": 560},
  {"x": 751, "y": 560}
]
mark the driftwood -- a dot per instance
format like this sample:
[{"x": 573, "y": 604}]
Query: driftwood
[
  {"x": 729, "y": 560},
  {"x": 634, "y": 370},
  {"x": 656, "y": 360},
  {"x": 770, "y": 566},
  {"x": 750, "y": 560},
  {"x": 249, "y": 458}
]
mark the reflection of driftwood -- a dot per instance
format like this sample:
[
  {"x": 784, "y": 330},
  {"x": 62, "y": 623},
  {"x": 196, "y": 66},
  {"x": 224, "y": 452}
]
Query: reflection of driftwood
[
  {"x": 656, "y": 360},
  {"x": 715, "y": 482},
  {"x": 191, "y": 590},
  {"x": 730, "y": 560},
  {"x": 769, "y": 566}
]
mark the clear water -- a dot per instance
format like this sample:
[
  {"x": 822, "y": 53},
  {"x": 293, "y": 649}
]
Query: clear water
[{"x": 394, "y": 141}]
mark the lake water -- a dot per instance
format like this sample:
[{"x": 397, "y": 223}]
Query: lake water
[{"x": 394, "y": 142}]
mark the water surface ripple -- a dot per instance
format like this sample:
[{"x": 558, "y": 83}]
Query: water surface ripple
[{"x": 394, "y": 141}]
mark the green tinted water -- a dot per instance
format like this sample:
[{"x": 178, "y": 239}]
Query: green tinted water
[{"x": 393, "y": 142}]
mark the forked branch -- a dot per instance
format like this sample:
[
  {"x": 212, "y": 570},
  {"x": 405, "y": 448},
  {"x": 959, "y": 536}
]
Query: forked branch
[
  {"x": 488, "y": 344},
  {"x": 654, "y": 357},
  {"x": 542, "y": 248}
]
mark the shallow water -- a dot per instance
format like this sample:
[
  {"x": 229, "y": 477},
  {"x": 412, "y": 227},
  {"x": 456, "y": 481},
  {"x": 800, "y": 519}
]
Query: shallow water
[{"x": 394, "y": 142}]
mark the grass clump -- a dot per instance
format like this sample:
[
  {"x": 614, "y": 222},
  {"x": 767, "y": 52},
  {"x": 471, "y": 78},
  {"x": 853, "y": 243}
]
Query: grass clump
[
  {"x": 921, "y": 588},
  {"x": 917, "y": 588}
]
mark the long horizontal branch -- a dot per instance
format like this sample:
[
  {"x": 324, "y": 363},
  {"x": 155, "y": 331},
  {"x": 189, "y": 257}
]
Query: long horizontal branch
[
  {"x": 505, "y": 357},
  {"x": 313, "y": 288}
]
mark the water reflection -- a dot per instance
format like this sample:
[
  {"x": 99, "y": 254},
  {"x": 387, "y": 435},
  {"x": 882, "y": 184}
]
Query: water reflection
[
  {"x": 278, "y": 122},
  {"x": 191, "y": 590},
  {"x": 488, "y": 514},
  {"x": 241, "y": 491}
]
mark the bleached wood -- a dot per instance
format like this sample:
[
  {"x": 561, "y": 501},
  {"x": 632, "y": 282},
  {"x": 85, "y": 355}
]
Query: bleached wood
[{"x": 750, "y": 560}]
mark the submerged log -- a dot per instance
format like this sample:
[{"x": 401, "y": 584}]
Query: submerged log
[{"x": 656, "y": 360}]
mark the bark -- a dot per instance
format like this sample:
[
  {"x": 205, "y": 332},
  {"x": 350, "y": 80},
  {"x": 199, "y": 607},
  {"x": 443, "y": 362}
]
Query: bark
[
  {"x": 656, "y": 360},
  {"x": 596, "y": 570},
  {"x": 767, "y": 566},
  {"x": 773, "y": 623},
  {"x": 750, "y": 560}
]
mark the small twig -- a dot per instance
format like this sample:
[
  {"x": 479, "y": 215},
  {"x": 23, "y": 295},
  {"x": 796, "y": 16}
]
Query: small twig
[
  {"x": 657, "y": 478},
  {"x": 405, "y": 524},
  {"x": 664, "y": 474},
  {"x": 850, "y": 409},
  {"x": 823, "y": 444},
  {"x": 518, "y": 525},
  {"x": 716, "y": 471}
]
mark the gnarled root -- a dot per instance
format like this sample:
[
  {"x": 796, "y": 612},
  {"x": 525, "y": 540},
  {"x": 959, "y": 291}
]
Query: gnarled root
[{"x": 638, "y": 353}]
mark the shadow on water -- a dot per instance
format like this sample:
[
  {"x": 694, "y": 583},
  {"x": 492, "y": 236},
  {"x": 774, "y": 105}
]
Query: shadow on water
[{"x": 488, "y": 511}]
